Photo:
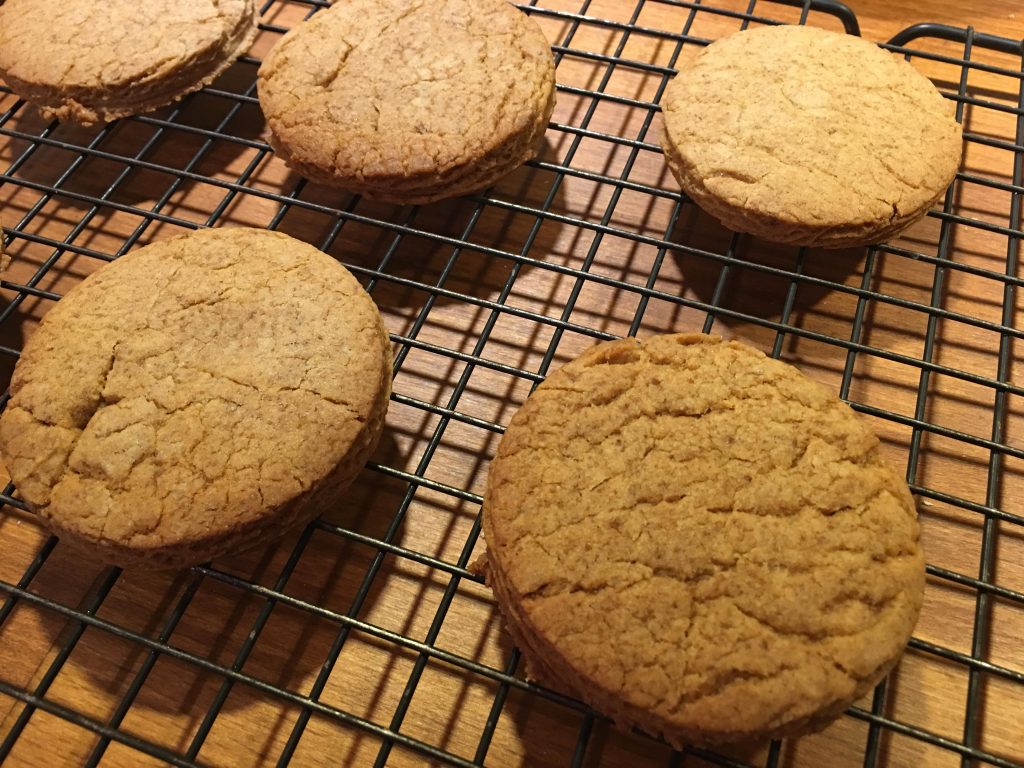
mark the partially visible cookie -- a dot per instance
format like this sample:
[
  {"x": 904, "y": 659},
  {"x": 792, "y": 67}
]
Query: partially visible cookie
[
  {"x": 197, "y": 396},
  {"x": 90, "y": 61},
  {"x": 804, "y": 136},
  {"x": 409, "y": 102},
  {"x": 700, "y": 541}
]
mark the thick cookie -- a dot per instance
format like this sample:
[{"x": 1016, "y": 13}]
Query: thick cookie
[
  {"x": 196, "y": 396},
  {"x": 409, "y": 102},
  {"x": 92, "y": 61},
  {"x": 699, "y": 541},
  {"x": 803, "y": 136}
]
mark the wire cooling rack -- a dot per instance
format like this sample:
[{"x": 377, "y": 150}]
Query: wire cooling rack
[{"x": 364, "y": 639}]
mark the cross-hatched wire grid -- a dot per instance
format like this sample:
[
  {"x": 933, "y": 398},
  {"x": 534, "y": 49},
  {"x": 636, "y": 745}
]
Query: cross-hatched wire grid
[{"x": 364, "y": 639}]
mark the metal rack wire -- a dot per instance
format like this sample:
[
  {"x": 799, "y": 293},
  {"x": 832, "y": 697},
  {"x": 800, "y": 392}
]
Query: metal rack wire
[{"x": 496, "y": 289}]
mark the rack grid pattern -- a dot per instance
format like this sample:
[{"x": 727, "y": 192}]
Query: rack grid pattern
[{"x": 484, "y": 296}]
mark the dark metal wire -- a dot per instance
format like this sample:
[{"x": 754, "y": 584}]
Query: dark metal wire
[
  {"x": 84, "y": 618},
  {"x": 990, "y": 529}
]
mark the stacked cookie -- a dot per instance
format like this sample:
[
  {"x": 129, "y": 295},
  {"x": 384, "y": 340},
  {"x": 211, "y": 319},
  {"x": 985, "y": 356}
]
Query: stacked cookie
[
  {"x": 803, "y": 136},
  {"x": 409, "y": 102},
  {"x": 197, "y": 396},
  {"x": 700, "y": 541},
  {"x": 91, "y": 62}
]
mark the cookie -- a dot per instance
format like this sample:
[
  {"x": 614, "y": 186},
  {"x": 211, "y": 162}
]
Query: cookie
[
  {"x": 409, "y": 102},
  {"x": 803, "y": 136},
  {"x": 197, "y": 396},
  {"x": 90, "y": 62},
  {"x": 700, "y": 541}
]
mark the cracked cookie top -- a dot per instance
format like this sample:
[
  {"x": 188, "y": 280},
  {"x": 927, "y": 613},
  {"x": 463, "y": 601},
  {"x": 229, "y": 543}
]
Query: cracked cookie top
[
  {"x": 194, "y": 388},
  {"x": 373, "y": 93},
  {"x": 801, "y": 135},
  {"x": 699, "y": 540},
  {"x": 94, "y": 61}
]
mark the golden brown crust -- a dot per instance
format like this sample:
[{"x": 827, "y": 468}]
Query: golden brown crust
[
  {"x": 93, "y": 62},
  {"x": 700, "y": 541},
  {"x": 409, "y": 102},
  {"x": 803, "y": 136},
  {"x": 195, "y": 395}
]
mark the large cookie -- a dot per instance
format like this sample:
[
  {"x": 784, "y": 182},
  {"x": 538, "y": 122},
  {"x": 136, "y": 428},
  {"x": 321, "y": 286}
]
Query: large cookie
[
  {"x": 197, "y": 396},
  {"x": 803, "y": 136},
  {"x": 409, "y": 102},
  {"x": 700, "y": 541},
  {"x": 97, "y": 60}
]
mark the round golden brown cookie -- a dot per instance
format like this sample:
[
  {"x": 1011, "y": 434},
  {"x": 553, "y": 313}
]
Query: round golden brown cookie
[
  {"x": 92, "y": 61},
  {"x": 803, "y": 136},
  {"x": 699, "y": 541},
  {"x": 409, "y": 102},
  {"x": 197, "y": 396}
]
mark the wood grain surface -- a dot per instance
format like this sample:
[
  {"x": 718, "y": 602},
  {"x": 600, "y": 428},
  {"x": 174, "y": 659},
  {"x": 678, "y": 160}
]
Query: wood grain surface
[{"x": 367, "y": 623}]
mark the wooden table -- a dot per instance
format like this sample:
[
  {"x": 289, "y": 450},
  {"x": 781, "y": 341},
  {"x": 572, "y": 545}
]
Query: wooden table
[{"x": 368, "y": 624}]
